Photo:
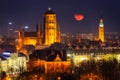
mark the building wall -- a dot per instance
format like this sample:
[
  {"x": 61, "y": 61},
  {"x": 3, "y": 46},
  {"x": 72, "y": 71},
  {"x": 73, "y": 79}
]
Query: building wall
[
  {"x": 30, "y": 41},
  {"x": 77, "y": 57},
  {"x": 57, "y": 66},
  {"x": 50, "y": 29},
  {"x": 101, "y": 34},
  {"x": 49, "y": 66},
  {"x": 3, "y": 65},
  {"x": 14, "y": 64},
  {"x": 80, "y": 58}
]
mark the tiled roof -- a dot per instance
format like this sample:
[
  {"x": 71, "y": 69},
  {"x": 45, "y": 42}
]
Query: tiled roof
[
  {"x": 48, "y": 55},
  {"x": 30, "y": 34}
]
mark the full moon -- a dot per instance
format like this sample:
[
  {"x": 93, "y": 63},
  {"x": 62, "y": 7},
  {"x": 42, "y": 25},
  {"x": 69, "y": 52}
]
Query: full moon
[{"x": 78, "y": 17}]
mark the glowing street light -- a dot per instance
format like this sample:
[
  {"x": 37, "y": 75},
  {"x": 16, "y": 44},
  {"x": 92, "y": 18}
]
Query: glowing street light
[
  {"x": 26, "y": 27},
  {"x": 9, "y": 29},
  {"x": 59, "y": 78},
  {"x": 10, "y": 23}
]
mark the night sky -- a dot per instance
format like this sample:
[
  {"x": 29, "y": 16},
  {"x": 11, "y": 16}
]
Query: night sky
[{"x": 30, "y": 12}]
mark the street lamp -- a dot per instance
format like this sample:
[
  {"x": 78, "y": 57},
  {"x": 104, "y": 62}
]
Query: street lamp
[
  {"x": 10, "y": 23},
  {"x": 9, "y": 29},
  {"x": 25, "y": 27}
]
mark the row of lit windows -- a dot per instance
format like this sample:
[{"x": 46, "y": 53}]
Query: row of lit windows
[
  {"x": 88, "y": 53},
  {"x": 50, "y": 17},
  {"x": 50, "y": 21}
]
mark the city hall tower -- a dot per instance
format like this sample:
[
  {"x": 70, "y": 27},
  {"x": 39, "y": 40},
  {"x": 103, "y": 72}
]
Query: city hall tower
[{"x": 101, "y": 32}]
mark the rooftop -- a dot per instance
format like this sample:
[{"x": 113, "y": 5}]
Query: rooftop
[{"x": 49, "y": 11}]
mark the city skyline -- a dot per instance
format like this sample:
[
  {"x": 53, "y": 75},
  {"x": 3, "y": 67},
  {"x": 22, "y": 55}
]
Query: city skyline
[{"x": 29, "y": 13}]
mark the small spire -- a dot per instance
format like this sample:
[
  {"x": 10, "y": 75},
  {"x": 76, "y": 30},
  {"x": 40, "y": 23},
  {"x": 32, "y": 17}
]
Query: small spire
[
  {"x": 101, "y": 22},
  {"x": 40, "y": 27},
  {"x": 58, "y": 27},
  {"x": 49, "y": 8},
  {"x": 37, "y": 28}
]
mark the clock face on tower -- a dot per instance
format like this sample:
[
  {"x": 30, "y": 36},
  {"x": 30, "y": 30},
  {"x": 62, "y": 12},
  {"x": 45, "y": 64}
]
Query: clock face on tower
[{"x": 101, "y": 25}]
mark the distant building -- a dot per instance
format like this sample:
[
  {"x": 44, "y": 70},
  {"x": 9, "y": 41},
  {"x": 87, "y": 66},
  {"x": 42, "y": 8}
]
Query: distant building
[
  {"x": 88, "y": 36},
  {"x": 112, "y": 35},
  {"x": 101, "y": 34},
  {"x": 49, "y": 35},
  {"x": 78, "y": 56}
]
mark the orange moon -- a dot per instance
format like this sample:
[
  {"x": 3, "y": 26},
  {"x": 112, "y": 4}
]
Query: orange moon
[{"x": 78, "y": 17}]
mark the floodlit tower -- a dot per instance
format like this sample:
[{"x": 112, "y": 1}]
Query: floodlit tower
[
  {"x": 101, "y": 30},
  {"x": 50, "y": 28}
]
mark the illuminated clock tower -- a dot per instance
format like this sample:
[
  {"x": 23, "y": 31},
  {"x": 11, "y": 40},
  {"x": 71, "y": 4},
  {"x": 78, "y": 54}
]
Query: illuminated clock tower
[
  {"x": 51, "y": 31},
  {"x": 101, "y": 30}
]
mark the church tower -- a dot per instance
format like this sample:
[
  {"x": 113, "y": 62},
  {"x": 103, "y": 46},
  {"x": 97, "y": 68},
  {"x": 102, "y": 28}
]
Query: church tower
[
  {"x": 50, "y": 28},
  {"x": 101, "y": 30}
]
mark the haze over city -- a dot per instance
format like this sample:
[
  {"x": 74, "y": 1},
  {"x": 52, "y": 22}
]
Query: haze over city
[{"x": 30, "y": 12}]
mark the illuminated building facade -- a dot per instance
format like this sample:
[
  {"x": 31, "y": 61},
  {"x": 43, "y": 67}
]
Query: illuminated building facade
[
  {"x": 101, "y": 30},
  {"x": 29, "y": 38},
  {"x": 50, "y": 61},
  {"x": 12, "y": 63},
  {"x": 88, "y": 36},
  {"x": 79, "y": 56},
  {"x": 51, "y": 30},
  {"x": 49, "y": 35}
]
